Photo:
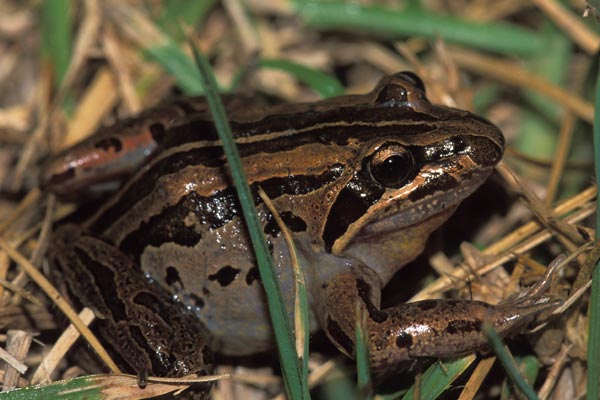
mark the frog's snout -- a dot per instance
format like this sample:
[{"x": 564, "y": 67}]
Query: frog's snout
[
  {"x": 486, "y": 141},
  {"x": 487, "y": 153}
]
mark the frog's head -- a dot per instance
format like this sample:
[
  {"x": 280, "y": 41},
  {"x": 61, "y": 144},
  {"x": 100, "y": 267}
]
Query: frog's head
[{"x": 410, "y": 177}]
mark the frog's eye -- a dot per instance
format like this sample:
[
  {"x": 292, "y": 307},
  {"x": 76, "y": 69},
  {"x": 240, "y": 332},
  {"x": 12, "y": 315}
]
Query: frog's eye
[
  {"x": 391, "y": 165},
  {"x": 412, "y": 78}
]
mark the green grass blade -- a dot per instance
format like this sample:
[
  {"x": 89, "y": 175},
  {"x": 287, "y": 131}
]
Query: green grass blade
[
  {"x": 85, "y": 387},
  {"x": 179, "y": 65},
  {"x": 302, "y": 297},
  {"x": 138, "y": 27},
  {"x": 436, "y": 379},
  {"x": 593, "y": 354},
  {"x": 322, "y": 83},
  {"x": 176, "y": 11},
  {"x": 56, "y": 36},
  {"x": 507, "y": 362},
  {"x": 411, "y": 21},
  {"x": 296, "y": 387},
  {"x": 530, "y": 367},
  {"x": 57, "y": 43},
  {"x": 94, "y": 387},
  {"x": 301, "y": 310},
  {"x": 363, "y": 367}
]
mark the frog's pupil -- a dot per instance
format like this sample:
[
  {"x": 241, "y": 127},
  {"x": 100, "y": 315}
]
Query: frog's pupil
[{"x": 393, "y": 170}]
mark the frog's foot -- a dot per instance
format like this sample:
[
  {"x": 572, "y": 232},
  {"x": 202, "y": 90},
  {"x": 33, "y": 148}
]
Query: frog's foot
[
  {"x": 403, "y": 336},
  {"x": 149, "y": 332}
]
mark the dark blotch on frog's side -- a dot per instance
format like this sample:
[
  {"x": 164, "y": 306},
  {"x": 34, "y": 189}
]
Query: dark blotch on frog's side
[
  {"x": 158, "y": 132},
  {"x": 463, "y": 326},
  {"x": 225, "y": 275},
  {"x": 252, "y": 275},
  {"x": 109, "y": 143},
  {"x": 427, "y": 305},
  {"x": 404, "y": 340},
  {"x": 172, "y": 276},
  {"x": 297, "y": 184},
  {"x": 163, "y": 228},
  {"x": 292, "y": 221}
]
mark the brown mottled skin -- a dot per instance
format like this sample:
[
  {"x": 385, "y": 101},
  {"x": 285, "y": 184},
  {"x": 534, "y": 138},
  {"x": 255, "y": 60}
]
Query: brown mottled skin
[{"x": 360, "y": 180}]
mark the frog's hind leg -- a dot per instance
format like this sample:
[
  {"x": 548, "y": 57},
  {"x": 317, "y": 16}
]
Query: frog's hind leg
[
  {"x": 404, "y": 336},
  {"x": 150, "y": 333}
]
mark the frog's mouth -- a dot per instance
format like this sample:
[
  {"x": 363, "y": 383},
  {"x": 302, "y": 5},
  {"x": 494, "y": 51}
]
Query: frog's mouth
[
  {"x": 434, "y": 194},
  {"x": 403, "y": 214},
  {"x": 393, "y": 239}
]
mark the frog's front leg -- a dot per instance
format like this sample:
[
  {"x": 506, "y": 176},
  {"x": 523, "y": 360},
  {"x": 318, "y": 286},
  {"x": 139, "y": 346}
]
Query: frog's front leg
[
  {"x": 150, "y": 333},
  {"x": 403, "y": 336}
]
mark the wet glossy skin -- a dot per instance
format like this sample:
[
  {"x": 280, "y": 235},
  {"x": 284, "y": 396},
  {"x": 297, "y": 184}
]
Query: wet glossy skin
[{"x": 361, "y": 181}]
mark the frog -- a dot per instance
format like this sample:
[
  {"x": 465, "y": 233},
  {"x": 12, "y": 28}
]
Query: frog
[{"x": 360, "y": 181}]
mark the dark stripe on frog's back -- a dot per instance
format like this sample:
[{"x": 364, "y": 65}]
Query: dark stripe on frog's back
[
  {"x": 302, "y": 124},
  {"x": 211, "y": 156},
  {"x": 214, "y": 211}
]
